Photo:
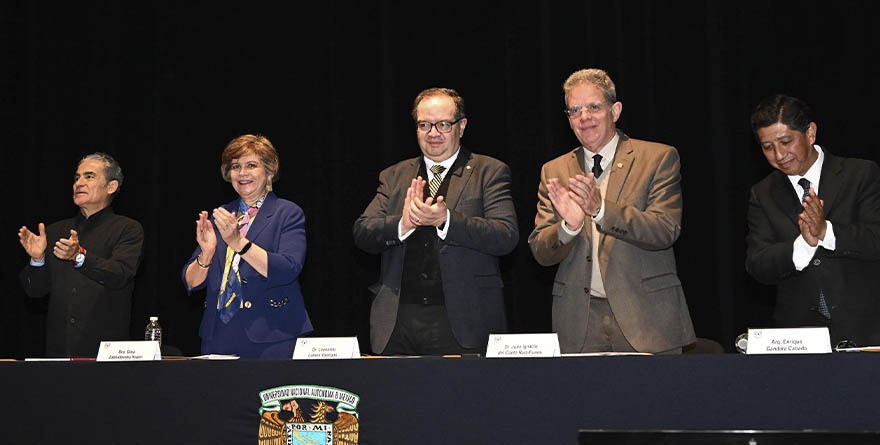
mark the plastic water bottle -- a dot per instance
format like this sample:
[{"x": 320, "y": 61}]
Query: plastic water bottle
[
  {"x": 153, "y": 331},
  {"x": 742, "y": 342}
]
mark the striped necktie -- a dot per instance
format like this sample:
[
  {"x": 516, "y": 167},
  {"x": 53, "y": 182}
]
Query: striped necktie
[{"x": 434, "y": 185}]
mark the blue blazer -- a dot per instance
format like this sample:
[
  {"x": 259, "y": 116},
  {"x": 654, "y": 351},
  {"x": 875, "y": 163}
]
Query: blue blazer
[{"x": 273, "y": 309}]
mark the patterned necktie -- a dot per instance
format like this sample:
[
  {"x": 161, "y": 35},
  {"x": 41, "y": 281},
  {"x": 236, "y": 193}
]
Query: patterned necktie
[
  {"x": 805, "y": 184},
  {"x": 434, "y": 185},
  {"x": 244, "y": 221},
  {"x": 823, "y": 305},
  {"x": 230, "y": 299},
  {"x": 597, "y": 166}
]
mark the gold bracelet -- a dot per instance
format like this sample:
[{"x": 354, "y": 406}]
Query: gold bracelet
[{"x": 199, "y": 261}]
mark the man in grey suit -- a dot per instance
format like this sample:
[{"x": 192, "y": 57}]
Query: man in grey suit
[
  {"x": 611, "y": 232},
  {"x": 440, "y": 222},
  {"x": 814, "y": 227}
]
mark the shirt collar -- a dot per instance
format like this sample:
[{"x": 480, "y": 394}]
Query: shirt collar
[
  {"x": 447, "y": 164},
  {"x": 814, "y": 173},
  {"x": 607, "y": 153}
]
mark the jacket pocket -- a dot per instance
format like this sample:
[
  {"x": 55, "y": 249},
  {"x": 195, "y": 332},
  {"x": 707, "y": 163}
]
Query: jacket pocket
[
  {"x": 558, "y": 288},
  {"x": 660, "y": 282}
]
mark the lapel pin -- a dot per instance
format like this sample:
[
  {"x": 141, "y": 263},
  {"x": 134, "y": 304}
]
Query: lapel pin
[
  {"x": 620, "y": 165},
  {"x": 468, "y": 167}
]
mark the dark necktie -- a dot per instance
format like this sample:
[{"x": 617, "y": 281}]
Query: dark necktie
[
  {"x": 597, "y": 166},
  {"x": 823, "y": 305},
  {"x": 805, "y": 184}
]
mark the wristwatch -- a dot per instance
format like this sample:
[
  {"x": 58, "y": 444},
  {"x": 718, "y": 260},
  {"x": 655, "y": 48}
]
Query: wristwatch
[{"x": 81, "y": 256}]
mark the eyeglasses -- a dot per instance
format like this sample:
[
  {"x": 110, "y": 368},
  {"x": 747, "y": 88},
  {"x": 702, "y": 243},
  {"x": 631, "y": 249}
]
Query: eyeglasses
[
  {"x": 442, "y": 126},
  {"x": 593, "y": 108}
]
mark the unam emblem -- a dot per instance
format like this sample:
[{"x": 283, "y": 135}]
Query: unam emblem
[{"x": 332, "y": 416}]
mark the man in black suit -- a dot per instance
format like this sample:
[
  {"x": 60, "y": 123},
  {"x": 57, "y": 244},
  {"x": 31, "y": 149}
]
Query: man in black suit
[
  {"x": 86, "y": 264},
  {"x": 440, "y": 222},
  {"x": 814, "y": 227}
]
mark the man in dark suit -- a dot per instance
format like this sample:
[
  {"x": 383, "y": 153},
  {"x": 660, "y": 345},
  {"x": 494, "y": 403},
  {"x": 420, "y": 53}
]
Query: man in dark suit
[
  {"x": 611, "y": 232},
  {"x": 86, "y": 264},
  {"x": 440, "y": 222},
  {"x": 814, "y": 227}
]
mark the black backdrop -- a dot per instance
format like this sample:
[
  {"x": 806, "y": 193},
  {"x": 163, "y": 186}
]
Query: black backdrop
[{"x": 164, "y": 85}]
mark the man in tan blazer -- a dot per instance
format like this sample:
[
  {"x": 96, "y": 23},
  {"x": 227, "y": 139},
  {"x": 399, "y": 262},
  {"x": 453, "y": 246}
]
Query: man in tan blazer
[{"x": 626, "y": 214}]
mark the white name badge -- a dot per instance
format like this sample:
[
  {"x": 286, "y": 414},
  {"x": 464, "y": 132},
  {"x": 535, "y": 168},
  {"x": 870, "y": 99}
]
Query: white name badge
[
  {"x": 789, "y": 341},
  {"x": 322, "y": 348},
  {"x": 129, "y": 351},
  {"x": 522, "y": 345}
]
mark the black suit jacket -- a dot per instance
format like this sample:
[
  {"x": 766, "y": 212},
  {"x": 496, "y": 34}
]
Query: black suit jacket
[
  {"x": 849, "y": 276},
  {"x": 92, "y": 303},
  {"x": 482, "y": 226}
]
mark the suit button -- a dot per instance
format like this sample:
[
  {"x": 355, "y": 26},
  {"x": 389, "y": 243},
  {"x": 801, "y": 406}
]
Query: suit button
[
  {"x": 424, "y": 276},
  {"x": 817, "y": 262},
  {"x": 72, "y": 320},
  {"x": 424, "y": 301},
  {"x": 247, "y": 304},
  {"x": 587, "y": 290}
]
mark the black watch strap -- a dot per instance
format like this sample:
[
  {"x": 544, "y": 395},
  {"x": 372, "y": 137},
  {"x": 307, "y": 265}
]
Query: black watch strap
[{"x": 245, "y": 249}]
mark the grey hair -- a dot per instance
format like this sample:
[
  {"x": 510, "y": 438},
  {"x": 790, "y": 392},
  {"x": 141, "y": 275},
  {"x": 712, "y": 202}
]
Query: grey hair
[
  {"x": 594, "y": 76},
  {"x": 112, "y": 170}
]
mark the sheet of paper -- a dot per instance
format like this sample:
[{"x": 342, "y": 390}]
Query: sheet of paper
[{"x": 216, "y": 357}]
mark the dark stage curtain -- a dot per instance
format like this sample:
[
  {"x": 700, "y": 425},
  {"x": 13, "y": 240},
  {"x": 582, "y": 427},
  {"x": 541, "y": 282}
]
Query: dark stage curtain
[{"x": 164, "y": 85}]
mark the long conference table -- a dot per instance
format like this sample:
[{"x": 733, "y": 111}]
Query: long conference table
[{"x": 436, "y": 400}]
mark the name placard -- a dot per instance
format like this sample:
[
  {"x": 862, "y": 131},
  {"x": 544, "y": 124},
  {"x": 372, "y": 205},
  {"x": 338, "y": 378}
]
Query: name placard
[
  {"x": 325, "y": 348},
  {"x": 789, "y": 341},
  {"x": 522, "y": 345},
  {"x": 129, "y": 351}
]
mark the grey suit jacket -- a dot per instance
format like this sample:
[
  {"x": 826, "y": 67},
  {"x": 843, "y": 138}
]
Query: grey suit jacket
[
  {"x": 642, "y": 220},
  {"x": 849, "y": 275},
  {"x": 482, "y": 226}
]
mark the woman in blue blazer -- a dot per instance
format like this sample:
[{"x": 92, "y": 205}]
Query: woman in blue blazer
[{"x": 249, "y": 257}]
